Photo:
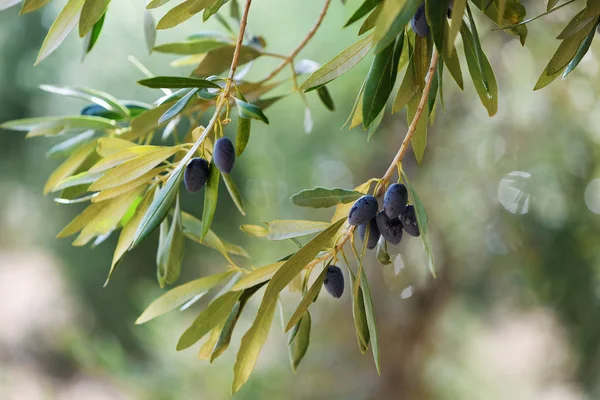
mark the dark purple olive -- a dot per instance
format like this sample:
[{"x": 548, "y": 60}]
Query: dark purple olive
[
  {"x": 450, "y": 5},
  {"x": 195, "y": 174},
  {"x": 363, "y": 210},
  {"x": 334, "y": 281},
  {"x": 395, "y": 199},
  {"x": 409, "y": 221},
  {"x": 224, "y": 155},
  {"x": 390, "y": 229},
  {"x": 373, "y": 233},
  {"x": 419, "y": 22}
]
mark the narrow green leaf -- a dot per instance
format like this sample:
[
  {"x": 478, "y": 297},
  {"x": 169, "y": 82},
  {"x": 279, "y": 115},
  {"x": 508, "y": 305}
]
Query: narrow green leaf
[
  {"x": 251, "y": 111},
  {"x": 437, "y": 12},
  {"x": 307, "y": 300},
  {"x": 81, "y": 122},
  {"x": 176, "y": 15},
  {"x": 301, "y": 341},
  {"x": 192, "y": 228},
  {"x": 419, "y": 139},
  {"x": 326, "y": 98},
  {"x": 91, "y": 13},
  {"x": 234, "y": 193},
  {"x": 360, "y": 315},
  {"x": 408, "y": 88},
  {"x": 93, "y": 36},
  {"x": 216, "y": 312},
  {"x": 370, "y": 21},
  {"x": 363, "y": 10},
  {"x": 169, "y": 265},
  {"x": 179, "y": 295},
  {"x": 98, "y": 97},
  {"x": 218, "y": 60},
  {"x": 489, "y": 98},
  {"x": 370, "y": 314},
  {"x": 242, "y": 135},
  {"x": 323, "y": 198},
  {"x": 232, "y": 319},
  {"x": 581, "y": 52},
  {"x": 28, "y": 5},
  {"x": 177, "y": 82},
  {"x": 458, "y": 10},
  {"x": 178, "y": 106},
  {"x": 65, "y": 148},
  {"x": 257, "y": 276},
  {"x": 252, "y": 343},
  {"x": 189, "y": 47},
  {"x": 69, "y": 166},
  {"x": 392, "y": 20},
  {"x": 62, "y": 26},
  {"x": 421, "y": 221},
  {"x": 338, "y": 65},
  {"x": 210, "y": 199},
  {"x": 159, "y": 208},
  {"x": 287, "y": 229}
]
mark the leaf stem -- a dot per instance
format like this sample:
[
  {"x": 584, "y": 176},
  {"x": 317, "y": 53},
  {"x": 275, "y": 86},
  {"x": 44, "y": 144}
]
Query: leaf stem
[{"x": 302, "y": 44}]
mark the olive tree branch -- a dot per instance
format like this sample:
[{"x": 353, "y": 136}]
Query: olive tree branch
[
  {"x": 224, "y": 97},
  {"x": 302, "y": 44},
  {"x": 412, "y": 128},
  {"x": 397, "y": 159}
]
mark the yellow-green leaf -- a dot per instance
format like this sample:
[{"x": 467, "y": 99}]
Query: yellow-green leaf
[
  {"x": 300, "y": 341},
  {"x": 179, "y": 295},
  {"x": 91, "y": 13},
  {"x": 216, "y": 312},
  {"x": 128, "y": 231},
  {"x": 118, "y": 157},
  {"x": 108, "y": 217},
  {"x": 134, "y": 168},
  {"x": 307, "y": 300},
  {"x": 257, "y": 276},
  {"x": 211, "y": 195},
  {"x": 62, "y": 26},
  {"x": 32, "y": 5},
  {"x": 111, "y": 145},
  {"x": 126, "y": 187},
  {"x": 234, "y": 193},
  {"x": 81, "y": 220},
  {"x": 169, "y": 264},
  {"x": 176, "y": 15},
  {"x": 69, "y": 166},
  {"x": 252, "y": 343},
  {"x": 287, "y": 229},
  {"x": 338, "y": 65}
]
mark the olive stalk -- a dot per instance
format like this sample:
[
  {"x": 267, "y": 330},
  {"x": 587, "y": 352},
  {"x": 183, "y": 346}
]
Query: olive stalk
[{"x": 397, "y": 159}]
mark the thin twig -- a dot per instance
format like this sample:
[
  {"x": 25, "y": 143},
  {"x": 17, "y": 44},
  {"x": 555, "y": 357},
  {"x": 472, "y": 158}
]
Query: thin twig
[
  {"x": 388, "y": 174},
  {"x": 238, "y": 46},
  {"x": 303, "y": 43},
  {"x": 413, "y": 125}
]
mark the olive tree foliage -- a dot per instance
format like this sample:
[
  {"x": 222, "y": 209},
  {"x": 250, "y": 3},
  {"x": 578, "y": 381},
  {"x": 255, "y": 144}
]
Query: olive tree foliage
[{"x": 127, "y": 160}]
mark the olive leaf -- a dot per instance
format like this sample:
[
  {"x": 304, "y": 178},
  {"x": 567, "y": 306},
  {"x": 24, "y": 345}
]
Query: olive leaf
[
  {"x": 338, "y": 65},
  {"x": 300, "y": 342},
  {"x": 179, "y": 295},
  {"x": 323, "y": 197}
]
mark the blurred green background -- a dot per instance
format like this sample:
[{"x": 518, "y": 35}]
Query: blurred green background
[{"x": 513, "y": 206}]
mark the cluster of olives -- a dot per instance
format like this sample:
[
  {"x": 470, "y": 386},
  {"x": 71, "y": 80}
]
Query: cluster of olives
[
  {"x": 397, "y": 216},
  {"x": 419, "y": 20},
  {"x": 197, "y": 170}
]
